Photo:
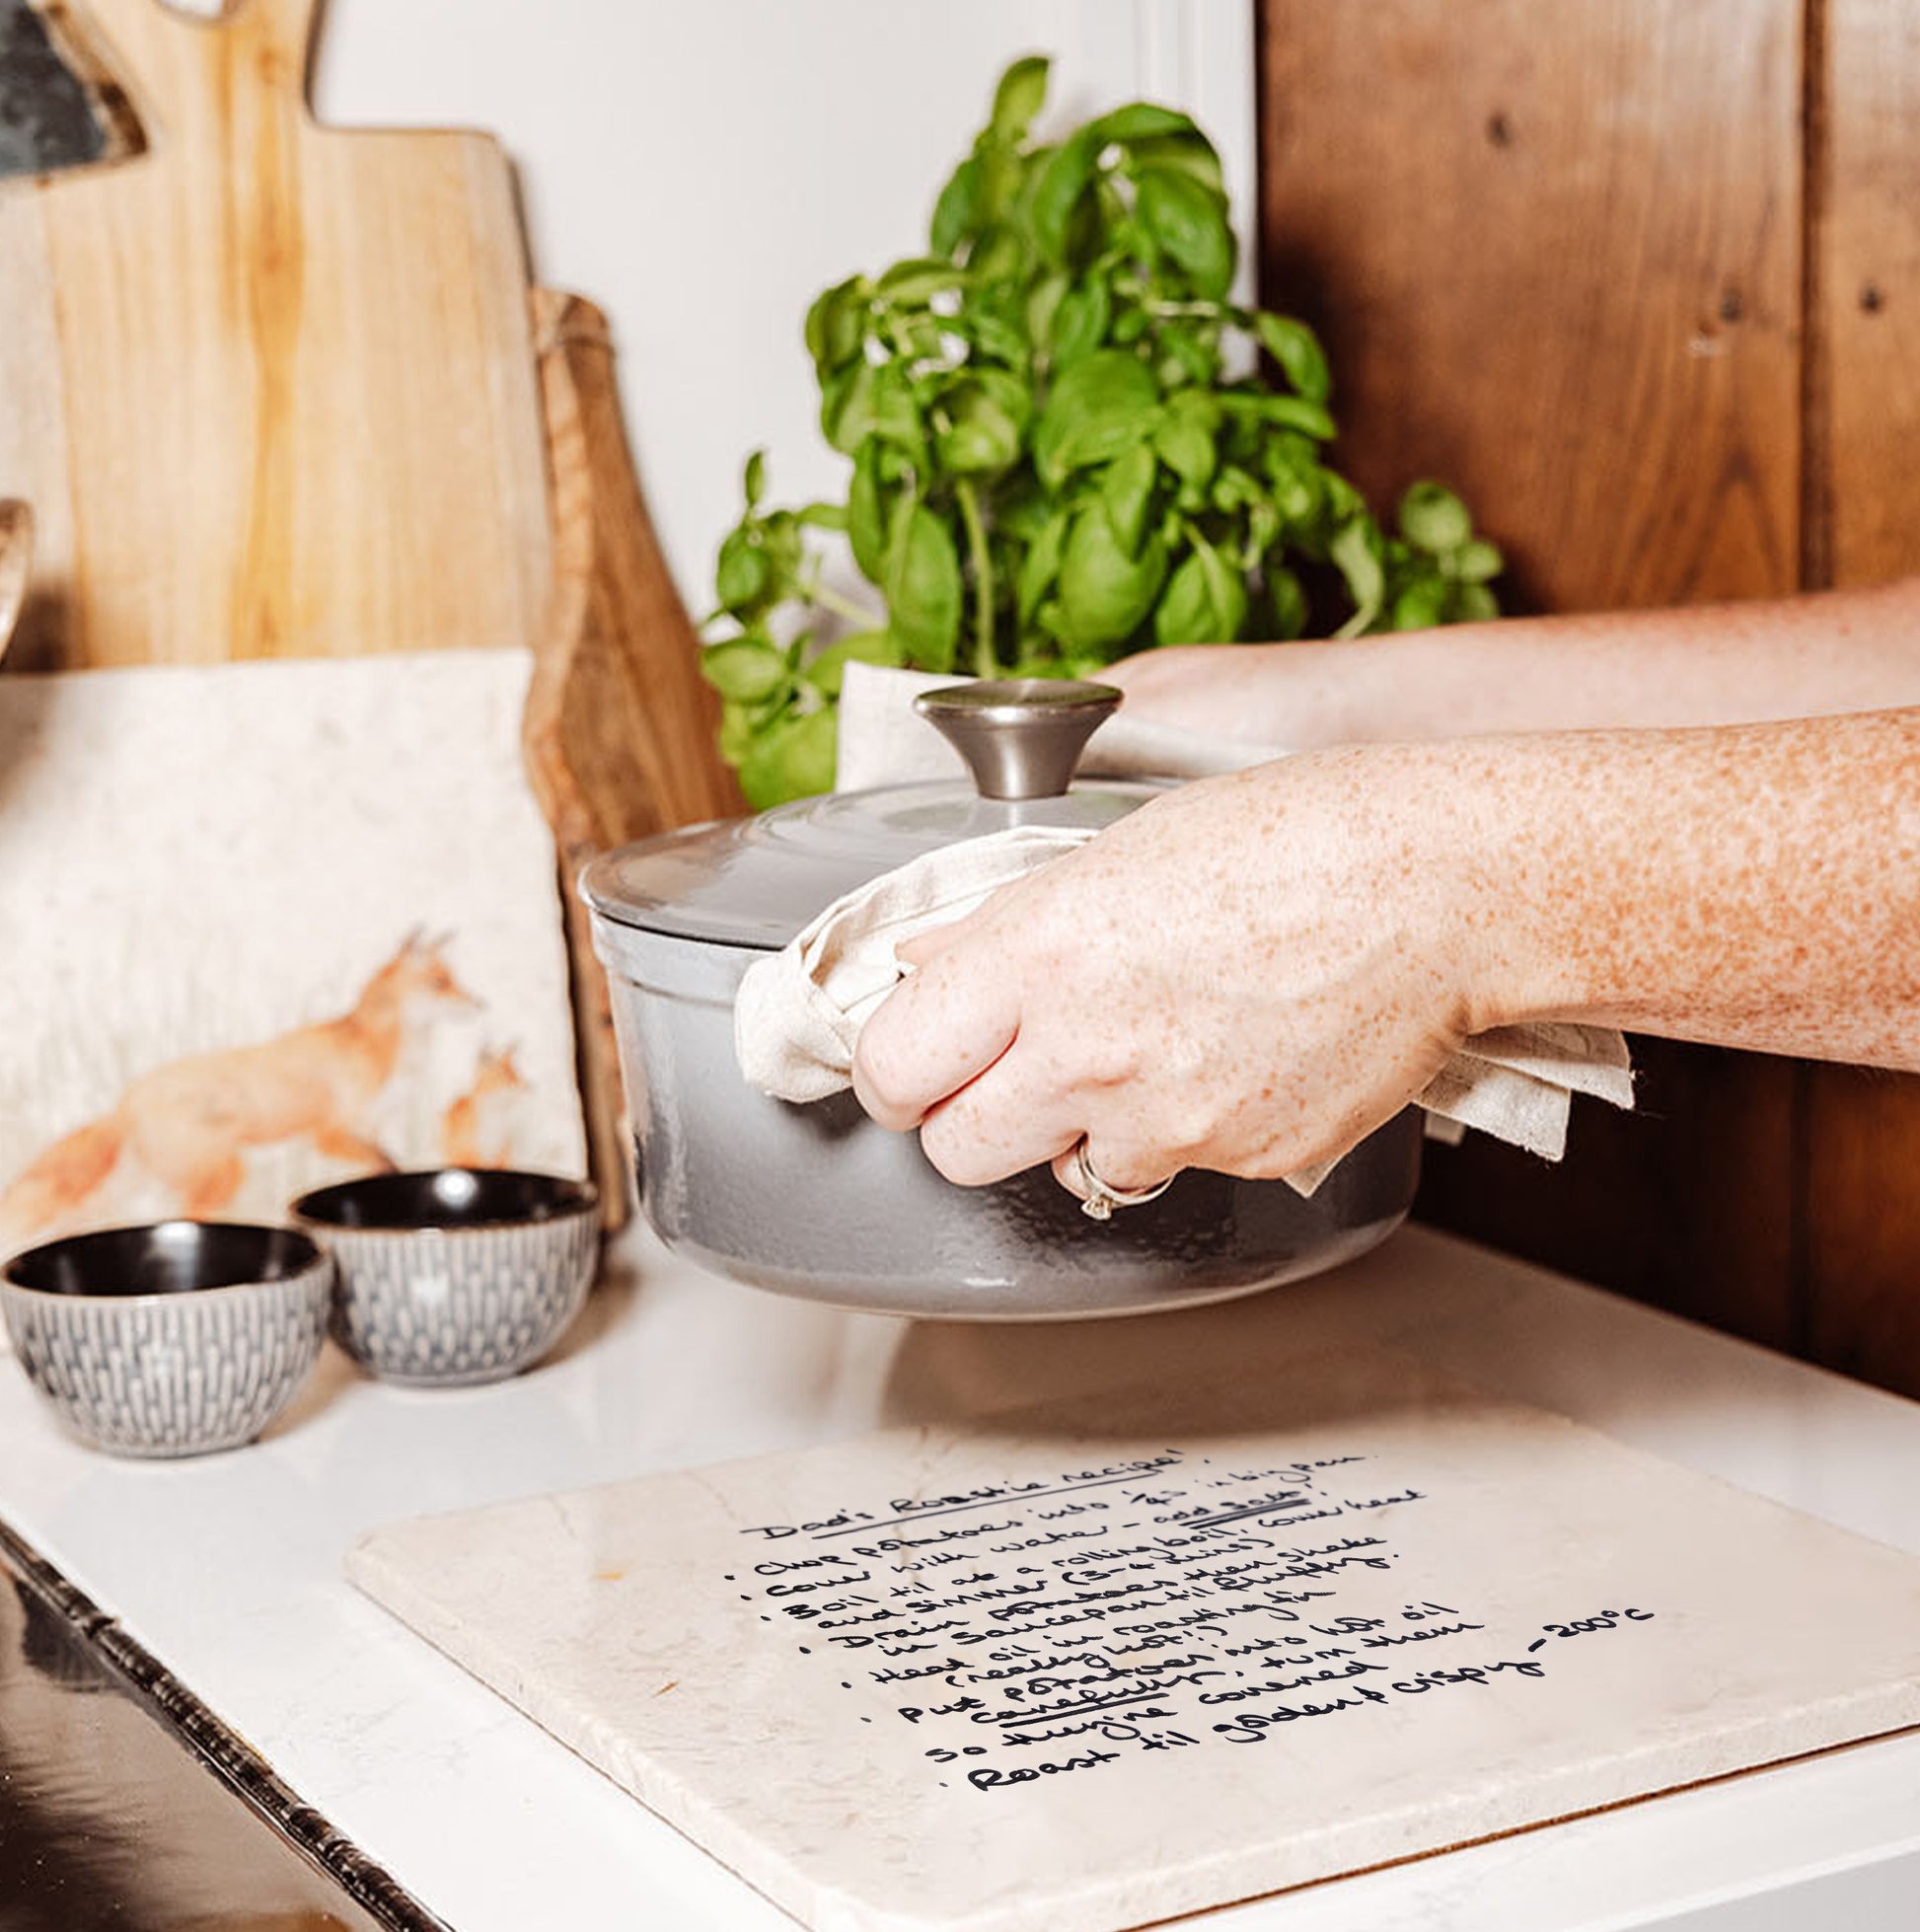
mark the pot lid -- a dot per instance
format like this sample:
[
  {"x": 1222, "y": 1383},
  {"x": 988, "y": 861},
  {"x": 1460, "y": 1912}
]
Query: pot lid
[{"x": 757, "y": 881}]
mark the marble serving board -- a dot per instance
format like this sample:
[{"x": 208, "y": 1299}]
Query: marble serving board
[{"x": 1093, "y": 1665}]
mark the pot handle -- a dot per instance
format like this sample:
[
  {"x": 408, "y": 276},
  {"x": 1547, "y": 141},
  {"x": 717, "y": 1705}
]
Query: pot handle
[{"x": 1021, "y": 737}]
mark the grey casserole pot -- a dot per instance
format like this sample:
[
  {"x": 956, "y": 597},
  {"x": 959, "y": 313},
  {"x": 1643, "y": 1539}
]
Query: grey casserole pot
[{"x": 815, "y": 1200}]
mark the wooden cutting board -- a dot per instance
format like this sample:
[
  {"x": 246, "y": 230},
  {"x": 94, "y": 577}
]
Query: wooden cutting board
[
  {"x": 269, "y": 387},
  {"x": 1100, "y": 1663},
  {"x": 16, "y": 555}
]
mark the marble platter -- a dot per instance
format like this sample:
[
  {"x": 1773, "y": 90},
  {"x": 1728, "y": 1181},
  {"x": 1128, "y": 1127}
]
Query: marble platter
[{"x": 1264, "y": 1632}]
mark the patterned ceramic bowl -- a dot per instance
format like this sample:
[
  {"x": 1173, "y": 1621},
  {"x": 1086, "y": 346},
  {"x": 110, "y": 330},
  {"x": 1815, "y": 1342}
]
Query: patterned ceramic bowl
[
  {"x": 462, "y": 1275},
  {"x": 172, "y": 1339}
]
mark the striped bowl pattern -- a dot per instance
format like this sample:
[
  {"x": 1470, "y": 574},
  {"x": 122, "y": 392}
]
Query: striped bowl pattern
[
  {"x": 171, "y": 1375},
  {"x": 449, "y": 1307}
]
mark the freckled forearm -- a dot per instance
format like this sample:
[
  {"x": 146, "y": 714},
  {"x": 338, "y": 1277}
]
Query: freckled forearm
[
  {"x": 1746, "y": 663},
  {"x": 1757, "y": 886},
  {"x": 1841, "y": 652}
]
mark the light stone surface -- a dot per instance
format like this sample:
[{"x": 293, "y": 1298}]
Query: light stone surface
[{"x": 644, "y": 1624}]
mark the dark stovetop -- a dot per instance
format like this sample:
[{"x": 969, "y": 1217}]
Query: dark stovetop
[{"x": 127, "y": 1807}]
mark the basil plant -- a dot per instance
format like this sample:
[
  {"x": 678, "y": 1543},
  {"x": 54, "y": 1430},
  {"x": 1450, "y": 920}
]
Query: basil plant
[{"x": 1051, "y": 463}]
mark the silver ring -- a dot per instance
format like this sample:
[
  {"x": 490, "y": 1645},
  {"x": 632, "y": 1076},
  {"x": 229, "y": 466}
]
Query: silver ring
[{"x": 1099, "y": 1198}]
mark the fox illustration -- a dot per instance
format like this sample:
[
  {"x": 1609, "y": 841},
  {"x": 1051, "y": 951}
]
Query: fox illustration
[
  {"x": 477, "y": 1130},
  {"x": 188, "y": 1124}
]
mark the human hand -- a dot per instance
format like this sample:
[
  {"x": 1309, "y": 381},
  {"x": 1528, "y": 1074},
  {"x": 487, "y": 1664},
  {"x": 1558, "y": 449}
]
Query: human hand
[{"x": 1249, "y": 974}]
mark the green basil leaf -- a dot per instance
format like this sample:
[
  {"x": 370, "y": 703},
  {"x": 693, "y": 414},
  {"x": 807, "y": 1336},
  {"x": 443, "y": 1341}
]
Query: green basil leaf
[
  {"x": 923, "y": 586},
  {"x": 1191, "y": 405},
  {"x": 1433, "y": 519},
  {"x": 794, "y": 758},
  {"x": 740, "y": 729},
  {"x": 1290, "y": 411},
  {"x": 866, "y": 521},
  {"x": 1041, "y": 662},
  {"x": 1478, "y": 561},
  {"x": 1192, "y": 353},
  {"x": 1100, "y": 406},
  {"x": 1298, "y": 351},
  {"x": 998, "y": 256},
  {"x": 1476, "y": 604},
  {"x": 846, "y": 407},
  {"x": 1184, "y": 437},
  {"x": 1420, "y": 605},
  {"x": 981, "y": 436},
  {"x": 1342, "y": 501},
  {"x": 837, "y": 325},
  {"x": 1205, "y": 601},
  {"x": 1225, "y": 588},
  {"x": 754, "y": 483},
  {"x": 785, "y": 544},
  {"x": 1003, "y": 178},
  {"x": 1189, "y": 221},
  {"x": 1043, "y": 305},
  {"x": 1022, "y": 509},
  {"x": 1012, "y": 393},
  {"x": 1022, "y": 94},
  {"x": 1185, "y": 153},
  {"x": 1259, "y": 531},
  {"x": 1298, "y": 490},
  {"x": 744, "y": 670},
  {"x": 829, "y": 668},
  {"x": 1236, "y": 488},
  {"x": 956, "y": 213},
  {"x": 1289, "y": 603},
  {"x": 895, "y": 415},
  {"x": 1140, "y": 120},
  {"x": 1184, "y": 615},
  {"x": 1127, "y": 493},
  {"x": 1103, "y": 592},
  {"x": 1041, "y": 564},
  {"x": 742, "y": 572},
  {"x": 909, "y": 283},
  {"x": 1050, "y": 620},
  {"x": 822, "y": 516},
  {"x": 1081, "y": 322},
  {"x": 1063, "y": 180},
  {"x": 992, "y": 334},
  {"x": 1355, "y": 550}
]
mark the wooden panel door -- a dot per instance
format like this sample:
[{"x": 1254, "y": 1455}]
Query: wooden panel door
[
  {"x": 1862, "y": 1206},
  {"x": 1555, "y": 253}
]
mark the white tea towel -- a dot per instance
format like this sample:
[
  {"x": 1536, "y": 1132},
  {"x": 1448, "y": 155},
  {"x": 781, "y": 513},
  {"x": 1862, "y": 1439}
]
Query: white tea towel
[{"x": 798, "y": 1015}]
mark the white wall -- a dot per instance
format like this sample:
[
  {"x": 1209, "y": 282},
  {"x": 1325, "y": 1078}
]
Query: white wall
[{"x": 703, "y": 168}]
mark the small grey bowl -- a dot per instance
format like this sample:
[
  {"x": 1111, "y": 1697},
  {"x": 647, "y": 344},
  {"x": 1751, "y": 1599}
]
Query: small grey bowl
[
  {"x": 172, "y": 1339},
  {"x": 455, "y": 1275}
]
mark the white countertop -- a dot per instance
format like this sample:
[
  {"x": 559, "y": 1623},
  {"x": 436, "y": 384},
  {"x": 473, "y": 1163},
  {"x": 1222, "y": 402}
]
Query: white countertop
[{"x": 229, "y": 1570}]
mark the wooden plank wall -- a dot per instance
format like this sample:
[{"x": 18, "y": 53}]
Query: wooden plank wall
[
  {"x": 1642, "y": 279},
  {"x": 1861, "y": 1195}
]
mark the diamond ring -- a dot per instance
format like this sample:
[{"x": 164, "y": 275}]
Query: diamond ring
[{"x": 1099, "y": 1198}]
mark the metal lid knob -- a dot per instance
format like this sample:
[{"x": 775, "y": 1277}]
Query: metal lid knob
[{"x": 1021, "y": 737}]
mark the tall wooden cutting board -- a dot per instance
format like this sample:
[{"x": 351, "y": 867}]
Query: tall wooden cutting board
[{"x": 269, "y": 387}]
